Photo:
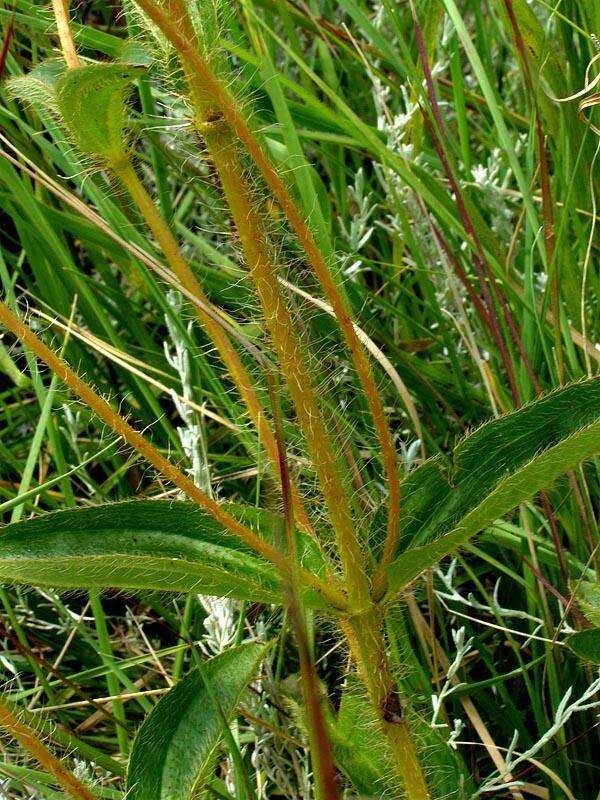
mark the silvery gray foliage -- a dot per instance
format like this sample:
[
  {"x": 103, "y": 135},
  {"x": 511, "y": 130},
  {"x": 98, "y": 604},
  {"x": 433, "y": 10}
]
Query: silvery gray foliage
[
  {"x": 463, "y": 646},
  {"x": 513, "y": 759},
  {"x": 190, "y": 432},
  {"x": 359, "y": 231},
  {"x": 492, "y": 179}
]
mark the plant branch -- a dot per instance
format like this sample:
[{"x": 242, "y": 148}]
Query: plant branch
[
  {"x": 212, "y": 89},
  {"x": 139, "y": 443},
  {"x": 222, "y": 146},
  {"x": 63, "y": 24},
  {"x": 128, "y": 176},
  {"x": 28, "y": 739}
]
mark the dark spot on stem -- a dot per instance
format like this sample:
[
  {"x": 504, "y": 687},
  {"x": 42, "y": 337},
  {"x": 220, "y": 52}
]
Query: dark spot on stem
[{"x": 392, "y": 707}]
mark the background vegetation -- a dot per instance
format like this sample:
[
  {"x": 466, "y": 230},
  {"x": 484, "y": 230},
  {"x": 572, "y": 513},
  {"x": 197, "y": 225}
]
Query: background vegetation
[{"x": 454, "y": 200}]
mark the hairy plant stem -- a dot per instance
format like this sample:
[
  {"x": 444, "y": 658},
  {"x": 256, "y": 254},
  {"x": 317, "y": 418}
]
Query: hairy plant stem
[
  {"x": 128, "y": 176},
  {"x": 210, "y": 93},
  {"x": 28, "y": 738},
  {"x": 125, "y": 171},
  {"x": 222, "y": 148},
  {"x": 366, "y": 638},
  {"x": 221, "y": 144},
  {"x": 220, "y": 125},
  {"x": 321, "y": 755},
  {"x": 140, "y": 444},
  {"x": 60, "y": 9},
  {"x": 162, "y": 233}
]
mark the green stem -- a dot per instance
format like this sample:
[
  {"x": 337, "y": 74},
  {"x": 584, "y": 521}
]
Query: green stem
[
  {"x": 365, "y": 636},
  {"x": 141, "y": 445},
  {"x": 126, "y": 173},
  {"x": 184, "y": 635},
  {"x": 221, "y": 137}
]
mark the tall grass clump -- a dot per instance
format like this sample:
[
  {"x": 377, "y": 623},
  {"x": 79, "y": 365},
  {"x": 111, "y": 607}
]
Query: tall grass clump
[{"x": 300, "y": 400}]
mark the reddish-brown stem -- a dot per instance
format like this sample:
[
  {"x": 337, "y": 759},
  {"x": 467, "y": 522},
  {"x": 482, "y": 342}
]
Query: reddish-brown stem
[
  {"x": 462, "y": 275},
  {"x": 547, "y": 210},
  {"x": 484, "y": 272},
  {"x": 321, "y": 754},
  {"x": 480, "y": 271},
  {"x": 560, "y": 553}
]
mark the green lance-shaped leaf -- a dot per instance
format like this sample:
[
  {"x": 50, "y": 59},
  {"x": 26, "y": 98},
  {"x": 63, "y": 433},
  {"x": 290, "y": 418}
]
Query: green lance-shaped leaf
[
  {"x": 38, "y": 87},
  {"x": 147, "y": 544},
  {"x": 586, "y": 645},
  {"x": 494, "y": 469},
  {"x": 588, "y": 599},
  {"x": 361, "y": 750},
  {"x": 92, "y": 101},
  {"x": 174, "y": 749},
  {"x": 363, "y": 753}
]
